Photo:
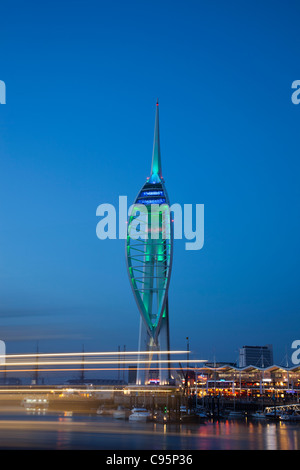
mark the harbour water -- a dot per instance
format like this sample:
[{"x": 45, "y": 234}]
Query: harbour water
[{"x": 63, "y": 431}]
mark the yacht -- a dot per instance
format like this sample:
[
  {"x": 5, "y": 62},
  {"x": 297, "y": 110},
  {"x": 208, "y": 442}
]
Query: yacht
[{"x": 139, "y": 414}]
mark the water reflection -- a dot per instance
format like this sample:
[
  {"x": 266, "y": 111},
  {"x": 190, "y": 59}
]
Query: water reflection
[
  {"x": 64, "y": 436},
  {"x": 67, "y": 431},
  {"x": 249, "y": 435},
  {"x": 271, "y": 437}
]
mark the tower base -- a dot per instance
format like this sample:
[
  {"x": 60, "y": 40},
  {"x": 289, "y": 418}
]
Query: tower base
[{"x": 153, "y": 360}]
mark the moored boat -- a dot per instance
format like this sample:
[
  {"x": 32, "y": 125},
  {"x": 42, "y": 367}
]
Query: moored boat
[
  {"x": 289, "y": 416},
  {"x": 273, "y": 414},
  {"x": 139, "y": 414},
  {"x": 201, "y": 413},
  {"x": 121, "y": 413},
  {"x": 236, "y": 415},
  {"x": 258, "y": 415}
]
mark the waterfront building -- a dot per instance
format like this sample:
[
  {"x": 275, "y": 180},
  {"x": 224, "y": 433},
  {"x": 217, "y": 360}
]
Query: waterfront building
[
  {"x": 149, "y": 249},
  {"x": 250, "y": 382}
]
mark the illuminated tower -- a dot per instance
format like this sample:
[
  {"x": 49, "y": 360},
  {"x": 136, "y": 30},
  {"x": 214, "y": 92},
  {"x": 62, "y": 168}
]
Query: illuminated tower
[{"x": 149, "y": 248}]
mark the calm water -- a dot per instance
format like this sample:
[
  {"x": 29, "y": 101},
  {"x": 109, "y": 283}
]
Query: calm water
[{"x": 54, "y": 431}]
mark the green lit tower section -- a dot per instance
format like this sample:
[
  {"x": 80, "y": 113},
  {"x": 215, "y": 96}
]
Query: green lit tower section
[{"x": 149, "y": 250}]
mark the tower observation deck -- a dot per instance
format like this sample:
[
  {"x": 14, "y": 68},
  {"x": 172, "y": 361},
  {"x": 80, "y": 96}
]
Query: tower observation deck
[{"x": 149, "y": 251}]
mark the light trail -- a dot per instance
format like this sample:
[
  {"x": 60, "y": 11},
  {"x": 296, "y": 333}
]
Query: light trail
[
  {"x": 124, "y": 362},
  {"x": 66, "y": 363},
  {"x": 106, "y": 353},
  {"x": 69, "y": 389},
  {"x": 89, "y": 369}
]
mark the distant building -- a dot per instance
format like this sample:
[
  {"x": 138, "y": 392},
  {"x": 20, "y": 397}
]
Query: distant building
[
  {"x": 132, "y": 374},
  {"x": 258, "y": 356}
]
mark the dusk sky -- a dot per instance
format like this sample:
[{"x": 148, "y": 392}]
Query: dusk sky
[{"x": 82, "y": 79}]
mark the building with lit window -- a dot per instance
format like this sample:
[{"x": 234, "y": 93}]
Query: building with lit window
[{"x": 260, "y": 356}]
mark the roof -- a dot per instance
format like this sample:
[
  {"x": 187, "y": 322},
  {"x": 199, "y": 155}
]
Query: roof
[{"x": 251, "y": 368}]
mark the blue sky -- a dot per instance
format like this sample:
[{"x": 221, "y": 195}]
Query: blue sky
[{"x": 82, "y": 80}]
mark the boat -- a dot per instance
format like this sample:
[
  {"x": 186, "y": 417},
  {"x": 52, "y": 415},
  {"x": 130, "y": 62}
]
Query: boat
[
  {"x": 160, "y": 417},
  {"x": 201, "y": 413},
  {"x": 289, "y": 416},
  {"x": 139, "y": 414},
  {"x": 121, "y": 413},
  {"x": 36, "y": 403},
  {"x": 105, "y": 410},
  {"x": 258, "y": 415},
  {"x": 285, "y": 417},
  {"x": 272, "y": 414},
  {"x": 190, "y": 416},
  {"x": 236, "y": 415}
]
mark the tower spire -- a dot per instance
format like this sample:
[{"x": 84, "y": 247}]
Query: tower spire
[{"x": 156, "y": 173}]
